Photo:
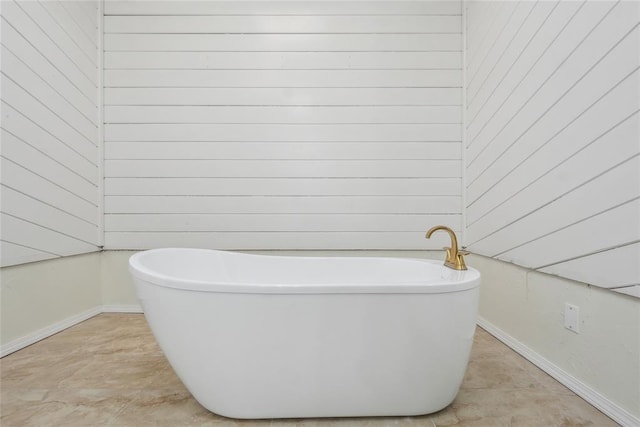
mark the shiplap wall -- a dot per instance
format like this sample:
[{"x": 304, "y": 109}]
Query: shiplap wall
[
  {"x": 282, "y": 125},
  {"x": 50, "y": 156},
  {"x": 553, "y": 137}
]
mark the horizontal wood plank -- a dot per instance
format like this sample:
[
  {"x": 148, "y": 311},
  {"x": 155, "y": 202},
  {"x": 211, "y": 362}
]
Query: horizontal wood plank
[
  {"x": 276, "y": 222},
  {"x": 279, "y": 24},
  {"x": 189, "y": 7},
  {"x": 282, "y": 78},
  {"x": 283, "y": 42},
  {"x": 282, "y": 133},
  {"x": 319, "y": 122},
  {"x": 425, "y": 205},
  {"x": 282, "y": 114},
  {"x": 282, "y": 168},
  {"x": 181, "y": 150},
  {"x": 282, "y": 60},
  {"x": 282, "y": 186},
  {"x": 283, "y": 96}
]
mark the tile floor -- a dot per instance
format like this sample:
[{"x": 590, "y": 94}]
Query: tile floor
[{"x": 108, "y": 371}]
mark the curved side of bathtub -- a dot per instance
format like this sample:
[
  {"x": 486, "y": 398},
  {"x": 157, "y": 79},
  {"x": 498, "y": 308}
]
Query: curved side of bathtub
[{"x": 253, "y": 355}]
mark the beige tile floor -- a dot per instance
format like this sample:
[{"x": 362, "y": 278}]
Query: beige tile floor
[{"x": 108, "y": 371}]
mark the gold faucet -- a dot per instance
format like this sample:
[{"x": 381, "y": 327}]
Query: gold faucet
[{"x": 455, "y": 257}]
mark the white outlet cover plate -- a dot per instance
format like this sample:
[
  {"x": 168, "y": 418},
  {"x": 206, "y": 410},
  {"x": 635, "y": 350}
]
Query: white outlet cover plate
[{"x": 572, "y": 317}]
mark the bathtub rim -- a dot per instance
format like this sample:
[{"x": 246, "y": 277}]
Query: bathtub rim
[{"x": 450, "y": 280}]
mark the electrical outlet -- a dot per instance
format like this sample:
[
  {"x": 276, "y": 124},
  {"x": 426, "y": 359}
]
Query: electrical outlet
[{"x": 572, "y": 317}]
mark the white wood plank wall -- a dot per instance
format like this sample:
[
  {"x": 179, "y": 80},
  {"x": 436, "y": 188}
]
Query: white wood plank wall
[
  {"x": 553, "y": 137},
  {"x": 282, "y": 125},
  {"x": 50, "y": 155}
]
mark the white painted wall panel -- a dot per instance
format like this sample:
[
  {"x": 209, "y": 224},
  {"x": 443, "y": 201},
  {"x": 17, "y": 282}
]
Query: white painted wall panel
[
  {"x": 282, "y": 78},
  {"x": 34, "y": 235},
  {"x": 250, "y": 8},
  {"x": 552, "y": 172},
  {"x": 49, "y": 70},
  {"x": 276, "y": 132},
  {"x": 70, "y": 44},
  {"x": 349, "y": 204},
  {"x": 267, "y": 24},
  {"x": 23, "y": 76},
  {"x": 584, "y": 147},
  {"x": 307, "y": 125},
  {"x": 622, "y": 268},
  {"x": 50, "y": 158},
  {"x": 282, "y": 186},
  {"x": 282, "y": 60},
  {"x": 522, "y": 12},
  {"x": 16, "y": 17},
  {"x": 572, "y": 89},
  {"x": 283, "y": 114},
  {"x": 22, "y": 179},
  {"x": 544, "y": 15},
  {"x": 41, "y": 115},
  {"x": 282, "y": 168},
  {"x": 37, "y": 212},
  {"x": 21, "y": 153},
  {"x": 23, "y": 128},
  {"x": 283, "y": 42},
  {"x": 274, "y": 222},
  {"x": 178, "y": 150},
  {"x": 13, "y": 254},
  {"x": 514, "y": 66},
  {"x": 82, "y": 13},
  {"x": 327, "y": 96},
  {"x": 571, "y": 208},
  {"x": 606, "y": 230}
]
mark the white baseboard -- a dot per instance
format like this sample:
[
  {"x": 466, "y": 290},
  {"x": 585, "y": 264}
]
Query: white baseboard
[
  {"x": 612, "y": 410},
  {"x": 60, "y": 326},
  {"x": 45, "y": 332}
]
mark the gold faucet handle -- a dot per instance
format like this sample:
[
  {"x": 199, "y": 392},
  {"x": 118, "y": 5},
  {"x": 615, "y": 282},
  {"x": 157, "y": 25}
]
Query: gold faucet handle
[
  {"x": 460, "y": 252},
  {"x": 454, "y": 258}
]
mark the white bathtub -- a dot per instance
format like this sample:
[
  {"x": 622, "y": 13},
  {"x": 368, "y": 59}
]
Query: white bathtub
[{"x": 254, "y": 336}]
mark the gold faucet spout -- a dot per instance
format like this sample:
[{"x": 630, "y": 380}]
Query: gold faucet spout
[{"x": 455, "y": 257}]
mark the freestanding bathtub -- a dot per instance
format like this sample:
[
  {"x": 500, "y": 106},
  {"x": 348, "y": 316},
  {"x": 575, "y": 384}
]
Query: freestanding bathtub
[{"x": 255, "y": 336}]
